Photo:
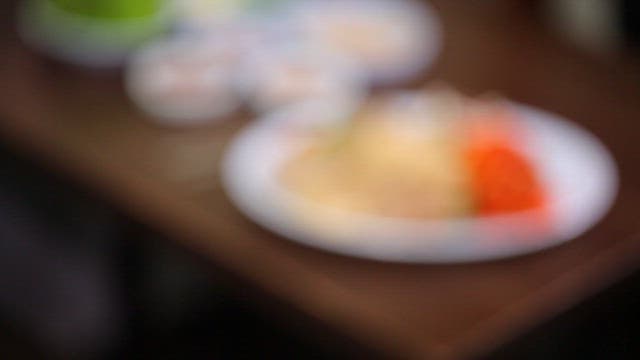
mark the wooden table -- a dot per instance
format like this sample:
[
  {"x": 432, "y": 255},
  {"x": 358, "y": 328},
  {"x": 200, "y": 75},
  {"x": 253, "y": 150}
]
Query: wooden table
[{"x": 80, "y": 123}]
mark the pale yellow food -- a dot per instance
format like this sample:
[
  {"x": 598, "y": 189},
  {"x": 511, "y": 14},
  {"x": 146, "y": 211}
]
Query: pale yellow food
[{"x": 384, "y": 164}]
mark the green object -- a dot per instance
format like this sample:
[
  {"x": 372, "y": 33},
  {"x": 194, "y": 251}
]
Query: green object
[
  {"x": 93, "y": 40},
  {"x": 111, "y": 9}
]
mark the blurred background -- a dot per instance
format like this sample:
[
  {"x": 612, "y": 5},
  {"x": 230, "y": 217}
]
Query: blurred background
[{"x": 80, "y": 279}]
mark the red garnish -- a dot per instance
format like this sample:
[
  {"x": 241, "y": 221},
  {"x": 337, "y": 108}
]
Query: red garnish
[{"x": 503, "y": 180}]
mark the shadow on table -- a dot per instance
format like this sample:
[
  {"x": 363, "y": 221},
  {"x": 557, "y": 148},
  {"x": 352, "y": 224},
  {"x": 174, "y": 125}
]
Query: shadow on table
[{"x": 79, "y": 280}]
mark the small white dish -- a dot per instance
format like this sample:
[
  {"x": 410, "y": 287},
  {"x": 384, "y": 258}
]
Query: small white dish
[
  {"x": 184, "y": 80},
  {"x": 578, "y": 172},
  {"x": 392, "y": 39}
]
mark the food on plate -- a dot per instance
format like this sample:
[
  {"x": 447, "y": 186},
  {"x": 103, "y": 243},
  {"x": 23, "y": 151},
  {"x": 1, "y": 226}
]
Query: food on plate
[
  {"x": 421, "y": 177},
  {"x": 420, "y": 157}
]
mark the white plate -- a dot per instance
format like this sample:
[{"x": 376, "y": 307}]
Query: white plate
[{"x": 577, "y": 170}]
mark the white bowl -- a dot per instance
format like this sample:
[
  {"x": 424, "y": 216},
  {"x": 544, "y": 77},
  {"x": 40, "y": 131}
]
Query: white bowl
[{"x": 184, "y": 80}]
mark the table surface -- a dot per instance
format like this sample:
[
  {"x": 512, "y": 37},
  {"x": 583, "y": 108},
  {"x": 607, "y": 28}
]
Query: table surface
[{"x": 79, "y": 122}]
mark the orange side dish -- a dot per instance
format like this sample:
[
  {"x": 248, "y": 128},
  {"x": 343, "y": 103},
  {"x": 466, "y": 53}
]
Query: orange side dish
[{"x": 502, "y": 179}]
